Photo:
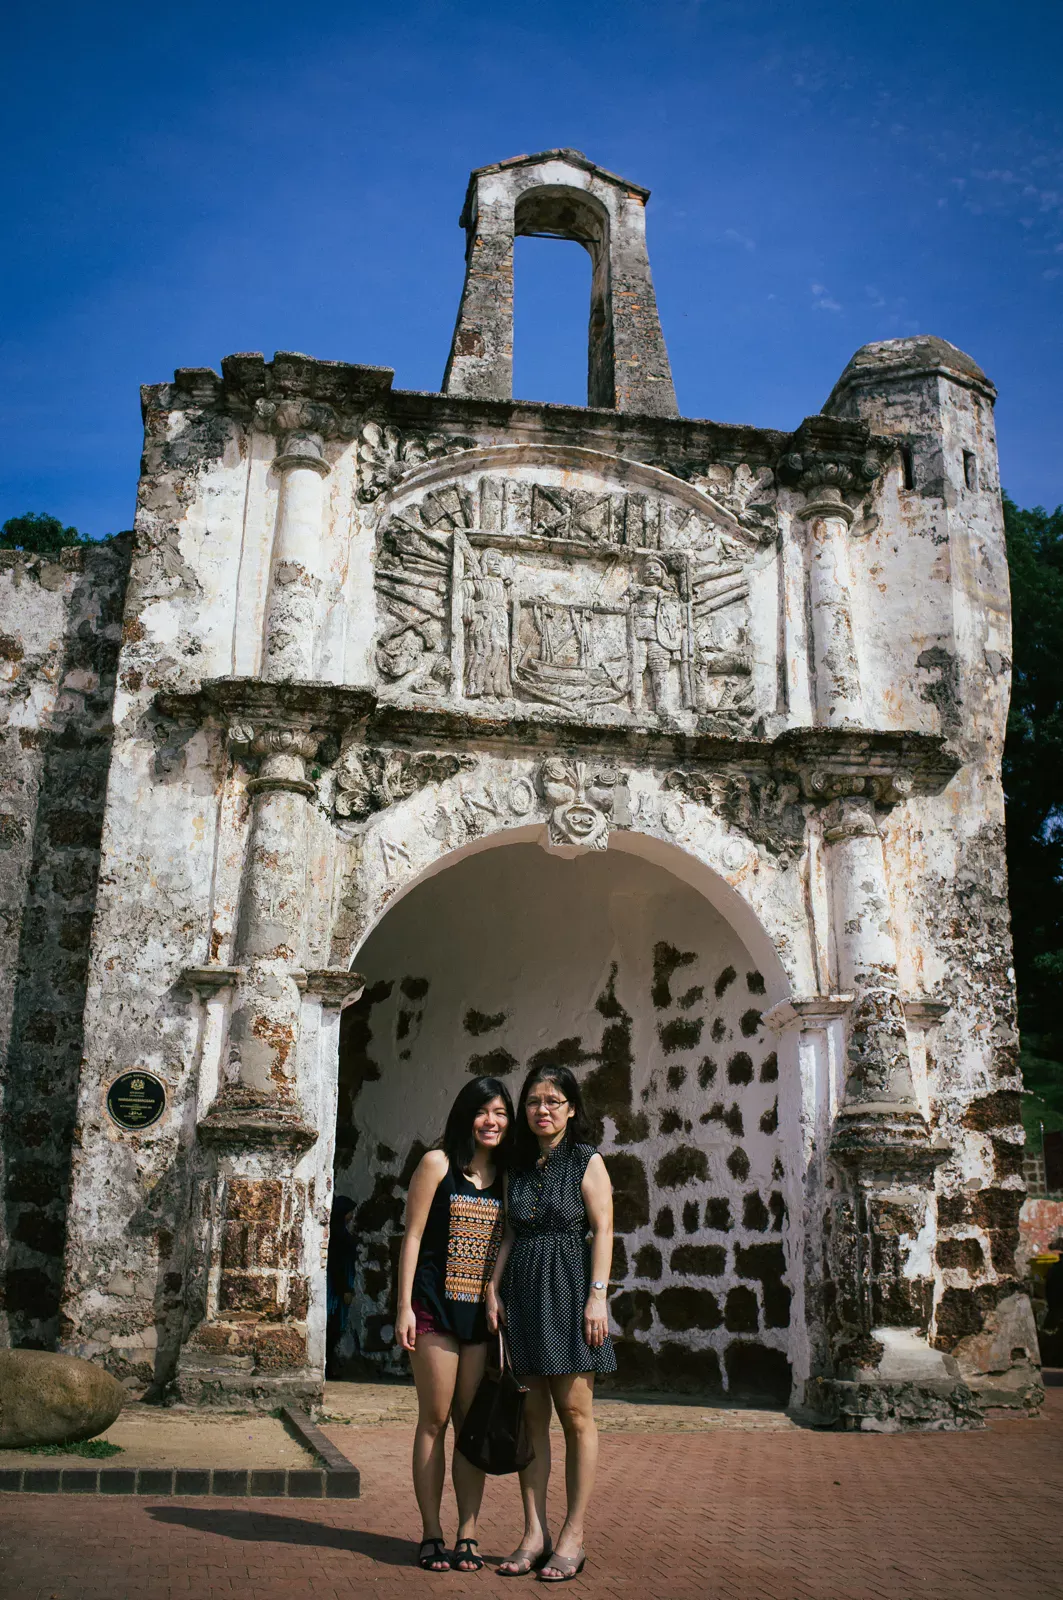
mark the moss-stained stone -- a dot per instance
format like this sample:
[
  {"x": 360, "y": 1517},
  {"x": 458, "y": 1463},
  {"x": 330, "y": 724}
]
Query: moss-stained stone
[
  {"x": 769, "y": 1068},
  {"x": 664, "y": 1223},
  {"x": 681, "y": 1308},
  {"x": 493, "y": 1064},
  {"x": 706, "y": 1072},
  {"x": 648, "y": 1262},
  {"x": 666, "y": 961},
  {"x": 690, "y": 1216},
  {"x": 741, "y": 1314},
  {"x": 766, "y": 1262},
  {"x": 699, "y": 1260},
  {"x": 1000, "y": 1110},
  {"x": 777, "y": 1207},
  {"x": 718, "y": 1031},
  {"x": 740, "y": 1068},
  {"x": 670, "y": 1122},
  {"x": 481, "y": 1022},
  {"x": 754, "y": 1212},
  {"x": 632, "y": 1311},
  {"x": 755, "y": 1372},
  {"x": 689, "y": 1370},
  {"x": 718, "y": 1213},
  {"x": 631, "y": 1196},
  {"x": 691, "y": 997},
  {"x": 965, "y": 1253},
  {"x": 738, "y": 1164},
  {"x": 676, "y": 1077},
  {"x": 769, "y": 1120},
  {"x": 618, "y": 1271},
  {"x": 755, "y": 982},
  {"x": 682, "y": 1033},
  {"x": 724, "y": 981},
  {"x": 415, "y": 988},
  {"x": 631, "y": 1127},
  {"x": 688, "y": 1164},
  {"x": 749, "y": 1022}
]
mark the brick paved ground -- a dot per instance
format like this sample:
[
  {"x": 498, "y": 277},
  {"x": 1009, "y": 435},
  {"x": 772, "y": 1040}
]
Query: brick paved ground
[{"x": 680, "y": 1516}]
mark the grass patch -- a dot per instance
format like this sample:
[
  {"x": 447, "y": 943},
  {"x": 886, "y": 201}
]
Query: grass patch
[{"x": 91, "y": 1449}]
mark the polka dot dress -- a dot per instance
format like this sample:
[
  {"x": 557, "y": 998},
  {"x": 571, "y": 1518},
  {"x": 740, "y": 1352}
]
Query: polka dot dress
[{"x": 548, "y": 1274}]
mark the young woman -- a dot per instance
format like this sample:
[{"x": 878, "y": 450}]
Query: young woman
[
  {"x": 453, "y": 1230},
  {"x": 548, "y": 1289}
]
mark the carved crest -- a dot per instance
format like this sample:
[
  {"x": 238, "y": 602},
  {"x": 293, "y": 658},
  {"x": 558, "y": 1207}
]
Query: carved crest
[{"x": 582, "y": 801}]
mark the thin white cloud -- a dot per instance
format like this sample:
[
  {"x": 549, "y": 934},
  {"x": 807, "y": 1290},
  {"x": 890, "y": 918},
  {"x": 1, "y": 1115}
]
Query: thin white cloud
[{"x": 823, "y": 299}]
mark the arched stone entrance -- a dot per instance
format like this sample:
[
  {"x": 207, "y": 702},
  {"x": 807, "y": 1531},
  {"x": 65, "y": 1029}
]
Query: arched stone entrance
[{"x": 611, "y": 964}]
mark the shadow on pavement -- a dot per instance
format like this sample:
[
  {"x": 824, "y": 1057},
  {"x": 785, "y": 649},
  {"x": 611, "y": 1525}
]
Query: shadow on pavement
[
  {"x": 267, "y": 1527},
  {"x": 1052, "y": 1377}
]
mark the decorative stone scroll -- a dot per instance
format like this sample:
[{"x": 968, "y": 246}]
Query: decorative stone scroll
[
  {"x": 386, "y": 456},
  {"x": 502, "y": 589},
  {"x": 371, "y": 780}
]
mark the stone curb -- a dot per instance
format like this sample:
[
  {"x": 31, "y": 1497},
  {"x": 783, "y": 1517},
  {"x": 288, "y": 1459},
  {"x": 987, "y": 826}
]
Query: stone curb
[
  {"x": 338, "y": 1479},
  {"x": 309, "y": 1483}
]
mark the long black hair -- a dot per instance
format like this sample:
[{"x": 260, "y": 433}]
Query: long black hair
[
  {"x": 578, "y": 1129},
  {"x": 459, "y": 1141}
]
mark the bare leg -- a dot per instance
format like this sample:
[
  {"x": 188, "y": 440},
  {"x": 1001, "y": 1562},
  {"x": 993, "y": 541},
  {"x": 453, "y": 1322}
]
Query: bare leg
[
  {"x": 573, "y": 1396},
  {"x": 468, "y": 1480},
  {"x": 435, "y": 1372},
  {"x": 538, "y": 1410}
]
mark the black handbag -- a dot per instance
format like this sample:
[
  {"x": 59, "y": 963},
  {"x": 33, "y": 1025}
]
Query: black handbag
[{"x": 494, "y": 1435}]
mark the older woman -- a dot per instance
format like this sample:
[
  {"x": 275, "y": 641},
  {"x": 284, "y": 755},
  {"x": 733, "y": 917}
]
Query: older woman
[{"x": 549, "y": 1290}]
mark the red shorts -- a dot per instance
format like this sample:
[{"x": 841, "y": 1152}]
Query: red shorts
[{"x": 424, "y": 1320}]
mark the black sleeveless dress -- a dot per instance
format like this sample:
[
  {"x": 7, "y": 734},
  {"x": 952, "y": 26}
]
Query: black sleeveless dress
[
  {"x": 457, "y": 1256},
  {"x": 548, "y": 1274}
]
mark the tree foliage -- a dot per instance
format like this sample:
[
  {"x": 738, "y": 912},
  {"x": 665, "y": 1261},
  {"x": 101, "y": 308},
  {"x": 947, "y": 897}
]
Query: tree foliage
[
  {"x": 1033, "y": 790},
  {"x": 38, "y": 533}
]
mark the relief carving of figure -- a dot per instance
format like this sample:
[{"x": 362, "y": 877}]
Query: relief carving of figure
[
  {"x": 486, "y": 616},
  {"x": 657, "y": 627},
  {"x": 581, "y": 802}
]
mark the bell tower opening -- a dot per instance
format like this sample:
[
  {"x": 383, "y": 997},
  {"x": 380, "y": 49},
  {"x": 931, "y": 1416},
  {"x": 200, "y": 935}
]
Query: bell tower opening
[{"x": 550, "y": 291}]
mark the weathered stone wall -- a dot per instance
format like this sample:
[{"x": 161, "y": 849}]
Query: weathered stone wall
[
  {"x": 60, "y": 630},
  {"x": 370, "y": 631},
  {"x": 611, "y": 966}
]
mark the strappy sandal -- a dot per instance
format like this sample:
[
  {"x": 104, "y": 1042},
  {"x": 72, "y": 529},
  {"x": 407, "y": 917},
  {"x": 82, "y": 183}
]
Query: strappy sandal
[
  {"x": 526, "y": 1563},
  {"x": 568, "y": 1567},
  {"x": 463, "y": 1551},
  {"x": 432, "y": 1552}
]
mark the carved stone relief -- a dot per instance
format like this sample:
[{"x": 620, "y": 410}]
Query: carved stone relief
[
  {"x": 371, "y": 780},
  {"x": 504, "y": 590},
  {"x": 583, "y": 800},
  {"x": 386, "y": 456}
]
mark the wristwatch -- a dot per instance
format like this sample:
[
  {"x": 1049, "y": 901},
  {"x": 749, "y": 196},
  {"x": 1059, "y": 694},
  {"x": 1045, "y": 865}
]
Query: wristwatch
[{"x": 597, "y": 1284}]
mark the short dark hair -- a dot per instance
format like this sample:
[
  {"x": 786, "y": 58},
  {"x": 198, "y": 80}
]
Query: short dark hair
[
  {"x": 579, "y": 1129},
  {"x": 459, "y": 1142}
]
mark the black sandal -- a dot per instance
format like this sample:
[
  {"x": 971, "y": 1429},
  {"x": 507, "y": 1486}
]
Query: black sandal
[
  {"x": 463, "y": 1551},
  {"x": 437, "y": 1553}
]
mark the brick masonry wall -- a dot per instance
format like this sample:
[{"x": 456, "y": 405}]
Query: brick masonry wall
[{"x": 60, "y": 631}]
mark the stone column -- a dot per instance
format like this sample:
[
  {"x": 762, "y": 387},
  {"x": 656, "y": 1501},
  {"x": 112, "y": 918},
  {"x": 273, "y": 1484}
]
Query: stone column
[
  {"x": 880, "y": 1209},
  {"x": 254, "y": 1207},
  {"x": 295, "y": 577},
  {"x": 836, "y": 671}
]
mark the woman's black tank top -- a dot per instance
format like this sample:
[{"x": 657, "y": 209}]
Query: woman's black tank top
[{"x": 457, "y": 1256}]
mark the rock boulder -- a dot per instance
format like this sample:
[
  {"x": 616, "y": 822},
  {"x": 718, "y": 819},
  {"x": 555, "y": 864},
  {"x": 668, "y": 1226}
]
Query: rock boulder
[{"x": 53, "y": 1399}]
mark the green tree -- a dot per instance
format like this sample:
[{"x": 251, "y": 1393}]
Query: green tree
[
  {"x": 1033, "y": 790},
  {"x": 38, "y": 533}
]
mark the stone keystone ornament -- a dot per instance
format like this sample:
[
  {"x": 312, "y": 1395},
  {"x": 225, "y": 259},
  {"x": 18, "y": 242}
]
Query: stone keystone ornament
[{"x": 582, "y": 800}]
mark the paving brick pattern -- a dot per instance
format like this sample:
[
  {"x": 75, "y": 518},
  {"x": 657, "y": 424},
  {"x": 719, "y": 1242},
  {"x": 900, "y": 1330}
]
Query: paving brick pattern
[{"x": 710, "y": 1516}]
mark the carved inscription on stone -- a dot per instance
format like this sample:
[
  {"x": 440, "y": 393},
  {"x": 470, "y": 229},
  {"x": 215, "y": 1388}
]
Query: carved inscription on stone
[{"x": 504, "y": 590}]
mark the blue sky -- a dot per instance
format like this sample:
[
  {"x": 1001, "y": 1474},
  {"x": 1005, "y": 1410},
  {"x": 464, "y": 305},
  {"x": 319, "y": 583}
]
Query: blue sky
[{"x": 183, "y": 182}]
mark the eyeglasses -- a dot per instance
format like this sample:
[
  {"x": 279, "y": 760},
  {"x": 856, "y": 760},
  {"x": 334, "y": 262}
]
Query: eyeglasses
[{"x": 545, "y": 1105}]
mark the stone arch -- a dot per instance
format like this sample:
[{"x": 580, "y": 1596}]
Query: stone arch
[{"x": 664, "y": 1023}]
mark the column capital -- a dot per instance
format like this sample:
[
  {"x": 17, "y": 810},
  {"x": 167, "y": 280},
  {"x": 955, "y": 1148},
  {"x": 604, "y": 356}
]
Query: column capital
[
  {"x": 805, "y": 1013},
  {"x": 302, "y": 450}
]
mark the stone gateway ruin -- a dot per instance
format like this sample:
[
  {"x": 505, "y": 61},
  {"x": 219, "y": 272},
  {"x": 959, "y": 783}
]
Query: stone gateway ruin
[{"x": 419, "y": 735}]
